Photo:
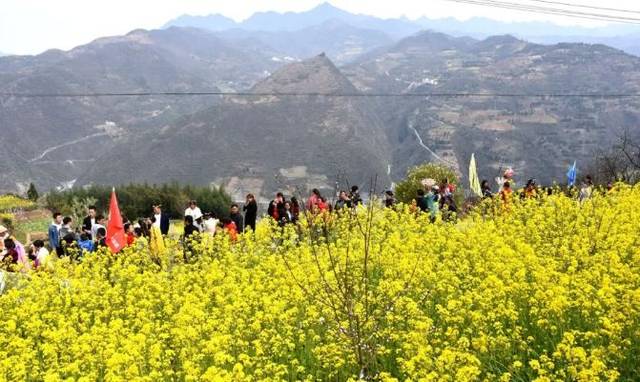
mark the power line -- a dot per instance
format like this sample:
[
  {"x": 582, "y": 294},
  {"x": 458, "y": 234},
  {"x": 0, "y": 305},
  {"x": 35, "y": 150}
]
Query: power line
[
  {"x": 327, "y": 95},
  {"x": 587, "y": 6},
  {"x": 550, "y": 11}
]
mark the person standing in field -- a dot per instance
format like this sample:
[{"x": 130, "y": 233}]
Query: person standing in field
[
  {"x": 236, "y": 216},
  {"x": 9, "y": 257},
  {"x": 323, "y": 205},
  {"x": 314, "y": 199},
  {"x": 295, "y": 207},
  {"x": 210, "y": 224},
  {"x": 190, "y": 235},
  {"x": 486, "y": 189},
  {"x": 101, "y": 238},
  {"x": 506, "y": 195},
  {"x": 89, "y": 220},
  {"x": 189, "y": 228},
  {"x": 447, "y": 188},
  {"x": 67, "y": 232},
  {"x": 193, "y": 210},
  {"x": 389, "y": 199},
  {"x": 85, "y": 244},
  {"x": 448, "y": 207},
  {"x": 586, "y": 189},
  {"x": 230, "y": 228},
  {"x": 530, "y": 190},
  {"x": 250, "y": 209},
  {"x": 54, "y": 232},
  {"x": 100, "y": 222},
  {"x": 156, "y": 239},
  {"x": 288, "y": 217},
  {"x": 20, "y": 253},
  {"x": 354, "y": 195},
  {"x": 343, "y": 201},
  {"x": 129, "y": 232},
  {"x": 432, "y": 203},
  {"x": 276, "y": 207},
  {"x": 42, "y": 256},
  {"x": 161, "y": 220},
  {"x": 421, "y": 201}
]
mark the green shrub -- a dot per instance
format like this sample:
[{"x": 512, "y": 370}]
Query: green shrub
[
  {"x": 135, "y": 200},
  {"x": 406, "y": 190}
]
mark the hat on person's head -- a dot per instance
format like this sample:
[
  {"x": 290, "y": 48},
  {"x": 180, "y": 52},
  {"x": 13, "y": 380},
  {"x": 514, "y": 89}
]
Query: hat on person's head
[{"x": 3, "y": 229}]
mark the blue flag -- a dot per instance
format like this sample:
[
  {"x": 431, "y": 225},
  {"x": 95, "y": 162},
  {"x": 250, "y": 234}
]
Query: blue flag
[{"x": 572, "y": 174}]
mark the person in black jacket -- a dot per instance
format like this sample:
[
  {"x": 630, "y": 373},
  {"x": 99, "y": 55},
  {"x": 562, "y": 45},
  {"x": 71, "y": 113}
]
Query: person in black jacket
[
  {"x": 161, "y": 219},
  {"x": 190, "y": 235},
  {"x": 100, "y": 239},
  {"x": 343, "y": 201},
  {"x": 355, "y": 196},
  {"x": 250, "y": 212},
  {"x": 236, "y": 216},
  {"x": 287, "y": 217},
  {"x": 276, "y": 207},
  {"x": 189, "y": 227},
  {"x": 421, "y": 201},
  {"x": 389, "y": 199},
  {"x": 89, "y": 221},
  {"x": 486, "y": 189}
]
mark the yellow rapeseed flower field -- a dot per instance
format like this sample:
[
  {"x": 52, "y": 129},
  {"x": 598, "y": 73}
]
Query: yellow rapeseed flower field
[
  {"x": 546, "y": 290},
  {"x": 10, "y": 203}
]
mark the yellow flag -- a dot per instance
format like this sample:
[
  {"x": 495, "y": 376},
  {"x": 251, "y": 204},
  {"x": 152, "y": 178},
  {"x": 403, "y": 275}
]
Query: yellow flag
[{"x": 474, "y": 182}]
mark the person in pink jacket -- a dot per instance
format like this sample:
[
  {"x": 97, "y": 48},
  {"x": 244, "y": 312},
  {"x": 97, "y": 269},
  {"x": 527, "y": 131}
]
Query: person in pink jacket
[{"x": 314, "y": 199}]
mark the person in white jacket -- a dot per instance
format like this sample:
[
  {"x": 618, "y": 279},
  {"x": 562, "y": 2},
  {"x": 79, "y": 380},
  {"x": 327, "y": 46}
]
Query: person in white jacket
[
  {"x": 193, "y": 210},
  {"x": 210, "y": 224}
]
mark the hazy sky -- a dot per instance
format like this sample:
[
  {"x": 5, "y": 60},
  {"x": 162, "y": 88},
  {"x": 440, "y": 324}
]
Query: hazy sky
[{"x": 32, "y": 26}]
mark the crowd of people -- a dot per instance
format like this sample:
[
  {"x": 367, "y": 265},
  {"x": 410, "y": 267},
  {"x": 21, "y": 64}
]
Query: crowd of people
[{"x": 65, "y": 238}]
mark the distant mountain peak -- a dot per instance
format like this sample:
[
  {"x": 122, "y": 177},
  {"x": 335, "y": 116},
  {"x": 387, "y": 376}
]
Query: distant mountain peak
[
  {"x": 502, "y": 39},
  {"x": 434, "y": 41},
  {"x": 315, "y": 75},
  {"x": 326, "y": 7},
  {"x": 140, "y": 36},
  {"x": 138, "y": 31},
  {"x": 214, "y": 22}
]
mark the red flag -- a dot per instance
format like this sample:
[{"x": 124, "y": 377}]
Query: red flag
[{"x": 116, "y": 239}]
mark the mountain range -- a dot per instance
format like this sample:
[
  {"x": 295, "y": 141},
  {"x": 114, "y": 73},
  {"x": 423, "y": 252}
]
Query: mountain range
[
  {"x": 537, "y": 135},
  {"x": 57, "y": 138},
  {"x": 621, "y": 36},
  {"x": 265, "y": 142},
  {"x": 292, "y": 21},
  {"x": 280, "y": 114}
]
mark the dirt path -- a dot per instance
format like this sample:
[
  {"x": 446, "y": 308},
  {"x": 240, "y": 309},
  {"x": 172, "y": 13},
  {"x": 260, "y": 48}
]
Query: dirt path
[{"x": 73, "y": 142}]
